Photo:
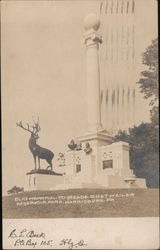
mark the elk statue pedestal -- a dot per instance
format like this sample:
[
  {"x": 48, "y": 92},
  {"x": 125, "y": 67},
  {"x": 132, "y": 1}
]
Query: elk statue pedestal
[{"x": 43, "y": 179}]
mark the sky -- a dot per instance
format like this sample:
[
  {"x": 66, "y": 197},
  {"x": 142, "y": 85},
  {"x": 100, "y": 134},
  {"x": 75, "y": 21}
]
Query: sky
[{"x": 43, "y": 74}]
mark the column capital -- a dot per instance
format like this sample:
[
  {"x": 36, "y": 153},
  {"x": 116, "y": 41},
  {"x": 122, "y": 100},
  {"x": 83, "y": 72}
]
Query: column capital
[{"x": 91, "y": 37}]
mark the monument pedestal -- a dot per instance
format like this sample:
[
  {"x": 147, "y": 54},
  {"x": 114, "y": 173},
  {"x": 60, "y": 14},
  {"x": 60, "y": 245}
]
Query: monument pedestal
[
  {"x": 106, "y": 166},
  {"x": 42, "y": 179}
]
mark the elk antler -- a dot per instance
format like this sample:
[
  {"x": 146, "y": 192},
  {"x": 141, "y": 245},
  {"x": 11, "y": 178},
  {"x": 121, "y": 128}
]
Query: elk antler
[
  {"x": 19, "y": 124},
  {"x": 36, "y": 127}
]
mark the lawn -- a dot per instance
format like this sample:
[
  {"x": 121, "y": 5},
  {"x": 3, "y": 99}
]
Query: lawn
[{"x": 86, "y": 203}]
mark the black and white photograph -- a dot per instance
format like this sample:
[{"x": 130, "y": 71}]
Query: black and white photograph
[{"x": 80, "y": 147}]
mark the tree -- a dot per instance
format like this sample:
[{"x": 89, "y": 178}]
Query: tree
[
  {"x": 143, "y": 139},
  {"x": 148, "y": 83},
  {"x": 144, "y": 151},
  {"x": 16, "y": 190}
]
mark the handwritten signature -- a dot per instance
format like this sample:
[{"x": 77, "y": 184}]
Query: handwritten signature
[
  {"x": 32, "y": 239},
  {"x": 26, "y": 234}
]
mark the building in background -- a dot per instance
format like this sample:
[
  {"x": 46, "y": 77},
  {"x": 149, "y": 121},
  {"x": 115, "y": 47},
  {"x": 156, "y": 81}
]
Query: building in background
[{"x": 119, "y": 60}]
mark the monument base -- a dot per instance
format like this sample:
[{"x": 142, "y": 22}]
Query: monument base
[
  {"x": 42, "y": 179},
  {"x": 109, "y": 182}
]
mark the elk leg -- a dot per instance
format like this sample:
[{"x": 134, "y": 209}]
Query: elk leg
[
  {"x": 51, "y": 166},
  {"x": 39, "y": 162},
  {"x": 49, "y": 162},
  {"x": 35, "y": 162}
]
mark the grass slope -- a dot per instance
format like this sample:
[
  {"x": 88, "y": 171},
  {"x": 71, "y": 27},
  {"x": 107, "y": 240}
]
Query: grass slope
[{"x": 144, "y": 203}]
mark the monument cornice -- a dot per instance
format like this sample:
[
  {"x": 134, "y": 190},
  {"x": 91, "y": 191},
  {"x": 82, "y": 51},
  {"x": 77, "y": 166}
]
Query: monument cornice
[{"x": 102, "y": 135}]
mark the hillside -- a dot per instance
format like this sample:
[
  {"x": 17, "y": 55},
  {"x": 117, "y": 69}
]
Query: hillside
[{"x": 80, "y": 203}]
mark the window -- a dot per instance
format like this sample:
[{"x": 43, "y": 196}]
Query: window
[
  {"x": 107, "y": 164},
  {"x": 78, "y": 168}
]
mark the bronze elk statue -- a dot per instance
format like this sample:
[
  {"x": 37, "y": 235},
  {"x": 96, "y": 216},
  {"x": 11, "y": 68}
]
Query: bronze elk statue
[{"x": 36, "y": 150}]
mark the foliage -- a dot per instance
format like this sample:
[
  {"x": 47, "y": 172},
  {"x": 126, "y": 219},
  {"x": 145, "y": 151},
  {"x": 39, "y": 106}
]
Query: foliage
[
  {"x": 15, "y": 190},
  {"x": 144, "y": 151},
  {"x": 155, "y": 116},
  {"x": 149, "y": 81},
  {"x": 143, "y": 139}
]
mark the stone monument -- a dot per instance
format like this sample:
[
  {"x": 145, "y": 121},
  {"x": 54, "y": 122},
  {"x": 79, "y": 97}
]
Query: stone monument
[
  {"x": 107, "y": 163},
  {"x": 94, "y": 161}
]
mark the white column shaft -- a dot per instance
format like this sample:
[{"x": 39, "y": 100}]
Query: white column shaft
[{"x": 93, "y": 86}]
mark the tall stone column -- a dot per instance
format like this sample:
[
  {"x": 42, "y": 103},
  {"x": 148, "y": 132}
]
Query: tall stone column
[
  {"x": 94, "y": 133},
  {"x": 92, "y": 40}
]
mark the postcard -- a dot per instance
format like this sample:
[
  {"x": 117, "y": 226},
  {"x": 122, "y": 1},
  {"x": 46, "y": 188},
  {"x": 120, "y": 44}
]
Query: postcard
[{"x": 80, "y": 124}]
